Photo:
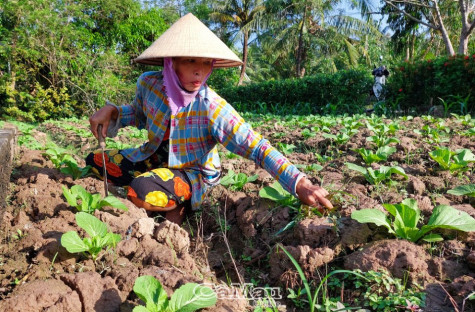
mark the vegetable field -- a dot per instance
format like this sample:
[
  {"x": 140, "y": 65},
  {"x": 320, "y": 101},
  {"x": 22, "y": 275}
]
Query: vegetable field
[{"x": 400, "y": 238}]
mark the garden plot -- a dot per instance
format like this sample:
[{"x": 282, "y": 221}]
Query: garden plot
[{"x": 400, "y": 236}]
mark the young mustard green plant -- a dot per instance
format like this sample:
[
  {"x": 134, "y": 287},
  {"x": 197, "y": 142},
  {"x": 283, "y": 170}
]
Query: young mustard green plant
[
  {"x": 71, "y": 168},
  {"x": 237, "y": 181},
  {"x": 381, "y": 154},
  {"x": 58, "y": 156},
  {"x": 90, "y": 202},
  {"x": 285, "y": 148},
  {"x": 454, "y": 161},
  {"x": 312, "y": 168},
  {"x": 406, "y": 217},
  {"x": 99, "y": 237},
  {"x": 188, "y": 298},
  {"x": 382, "y": 141},
  {"x": 461, "y": 190},
  {"x": 276, "y": 193},
  {"x": 375, "y": 177}
]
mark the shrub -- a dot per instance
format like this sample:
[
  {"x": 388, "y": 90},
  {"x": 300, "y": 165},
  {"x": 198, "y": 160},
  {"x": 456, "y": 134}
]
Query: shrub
[
  {"x": 345, "y": 91},
  {"x": 416, "y": 86}
]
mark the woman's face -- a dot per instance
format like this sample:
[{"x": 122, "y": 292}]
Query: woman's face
[{"x": 192, "y": 71}]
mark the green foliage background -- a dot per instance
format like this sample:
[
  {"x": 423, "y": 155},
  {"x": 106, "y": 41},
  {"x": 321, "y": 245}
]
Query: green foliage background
[
  {"x": 63, "y": 59},
  {"x": 347, "y": 90},
  {"x": 66, "y": 58},
  {"x": 416, "y": 86}
]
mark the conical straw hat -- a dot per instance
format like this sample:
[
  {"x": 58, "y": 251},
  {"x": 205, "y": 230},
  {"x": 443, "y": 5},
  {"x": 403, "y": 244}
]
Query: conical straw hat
[{"x": 189, "y": 37}]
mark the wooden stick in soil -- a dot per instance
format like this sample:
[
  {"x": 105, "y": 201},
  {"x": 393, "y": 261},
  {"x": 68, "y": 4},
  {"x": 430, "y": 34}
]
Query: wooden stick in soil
[{"x": 227, "y": 243}]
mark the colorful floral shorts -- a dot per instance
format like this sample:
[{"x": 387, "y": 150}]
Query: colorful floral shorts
[{"x": 149, "y": 180}]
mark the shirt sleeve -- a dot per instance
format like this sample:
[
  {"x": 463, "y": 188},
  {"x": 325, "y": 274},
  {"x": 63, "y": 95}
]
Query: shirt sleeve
[
  {"x": 133, "y": 114},
  {"x": 236, "y": 135}
]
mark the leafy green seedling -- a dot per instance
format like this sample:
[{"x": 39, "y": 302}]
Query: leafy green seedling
[
  {"x": 276, "y": 193},
  {"x": 381, "y": 129},
  {"x": 285, "y": 148},
  {"x": 188, "y": 298},
  {"x": 310, "y": 168},
  {"x": 307, "y": 133},
  {"x": 114, "y": 144},
  {"x": 339, "y": 139},
  {"x": 342, "y": 137},
  {"x": 461, "y": 190},
  {"x": 452, "y": 161},
  {"x": 98, "y": 239},
  {"x": 237, "y": 181},
  {"x": 381, "y": 154},
  {"x": 435, "y": 135},
  {"x": 74, "y": 170},
  {"x": 375, "y": 177},
  {"x": 231, "y": 155},
  {"x": 470, "y": 132},
  {"x": 58, "y": 156},
  {"x": 407, "y": 215},
  {"x": 90, "y": 202},
  {"x": 465, "y": 120},
  {"x": 381, "y": 141}
]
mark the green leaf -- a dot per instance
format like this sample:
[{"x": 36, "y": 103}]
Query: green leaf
[
  {"x": 274, "y": 192},
  {"x": 241, "y": 179},
  {"x": 409, "y": 212},
  {"x": 228, "y": 179},
  {"x": 70, "y": 197},
  {"x": 92, "y": 225},
  {"x": 442, "y": 156},
  {"x": 93, "y": 203},
  {"x": 447, "y": 217},
  {"x": 461, "y": 190},
  {"x": 191, "y": 297},
  {"x": 372, "y": 216},
  {"x": 464, "y": 155},
  {"x": 397, "y": 170},
  {"x": 72, "y": 242},
  {"x": 141, "y": 309},
  {"x": 149, "y": 289},
  {"x": 384, "y": 151},
  {"x": 253, "y": 178},
  {"x": 357, "y": 168},
  {"x": 374, "y": 177},
  {"x": 113, "y": 202},
  {"x": 432, "y": 238}
]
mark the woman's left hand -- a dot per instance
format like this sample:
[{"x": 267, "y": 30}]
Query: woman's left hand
[{"x": 312, "y": 195}]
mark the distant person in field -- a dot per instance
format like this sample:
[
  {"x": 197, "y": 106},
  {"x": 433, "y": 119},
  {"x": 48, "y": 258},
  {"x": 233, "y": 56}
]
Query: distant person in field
[
  {"x": 380, "y": 74},
  {"x": 185, "y": 121}
]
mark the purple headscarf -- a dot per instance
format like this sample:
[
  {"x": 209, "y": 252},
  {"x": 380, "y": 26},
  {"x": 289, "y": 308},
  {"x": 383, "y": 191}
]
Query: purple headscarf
[{"x": 177, "y": 96}]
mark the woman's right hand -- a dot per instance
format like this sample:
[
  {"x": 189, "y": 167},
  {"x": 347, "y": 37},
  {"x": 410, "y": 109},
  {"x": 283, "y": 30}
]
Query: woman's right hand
[{"x": 103, "y": 117}]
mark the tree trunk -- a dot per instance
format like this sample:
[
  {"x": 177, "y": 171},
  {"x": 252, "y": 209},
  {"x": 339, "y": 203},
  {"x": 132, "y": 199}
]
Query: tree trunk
[
  {"x": 298, "y": 70},
  {"x": 445, "y": 36},
  {"x": 467, "y": 27},
  {"x": 244, "y": 57},
  {"x": 463, "y": 45}
]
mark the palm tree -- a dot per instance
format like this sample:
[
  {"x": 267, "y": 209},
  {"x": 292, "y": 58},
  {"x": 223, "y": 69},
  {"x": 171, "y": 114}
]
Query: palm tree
[
  {"x": 310, "y": 31},
  {"x": 241, "y": 19}
]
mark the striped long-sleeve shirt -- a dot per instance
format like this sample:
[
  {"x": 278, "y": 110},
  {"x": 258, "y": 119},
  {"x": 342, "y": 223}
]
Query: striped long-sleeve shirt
[{"x": 195, "y": 131}]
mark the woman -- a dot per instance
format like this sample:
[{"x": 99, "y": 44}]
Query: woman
[{"x": 185, "y": 120}]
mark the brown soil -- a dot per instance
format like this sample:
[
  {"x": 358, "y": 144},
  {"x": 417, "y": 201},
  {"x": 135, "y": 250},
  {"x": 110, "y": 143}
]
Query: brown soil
[{"x": 38, "y": 274}]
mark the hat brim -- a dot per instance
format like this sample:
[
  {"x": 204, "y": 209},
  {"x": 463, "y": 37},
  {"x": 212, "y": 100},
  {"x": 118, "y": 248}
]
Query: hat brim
[
  {"x": 189, "y": 37},
  {"x": 218, "y": 63}
]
